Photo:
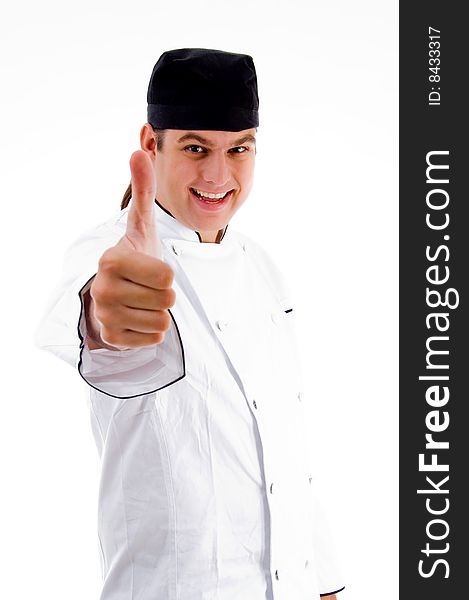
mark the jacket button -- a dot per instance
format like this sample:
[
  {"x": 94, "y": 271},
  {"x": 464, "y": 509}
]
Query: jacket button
[
  {"x": 271, "y": 488},
  {"x": 254, "y": 404},
  {"x": 276, "y": 575},
  {"x": 310, "y": 479},
  {"x": 176, "y": 249},
  {"x": 221, "y": 324}
]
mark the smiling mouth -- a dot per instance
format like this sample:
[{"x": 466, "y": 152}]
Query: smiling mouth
[{"x": 210, "y": 198}]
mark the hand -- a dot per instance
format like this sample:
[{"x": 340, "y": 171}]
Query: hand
[{"x": 131, "y": 292}]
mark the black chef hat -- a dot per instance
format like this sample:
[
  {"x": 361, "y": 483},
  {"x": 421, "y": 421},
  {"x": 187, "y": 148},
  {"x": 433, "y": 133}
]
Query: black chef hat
[{"x": 197, "y": 88}]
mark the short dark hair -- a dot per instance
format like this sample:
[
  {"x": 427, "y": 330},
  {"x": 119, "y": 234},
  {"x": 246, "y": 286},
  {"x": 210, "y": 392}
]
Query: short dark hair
[{"x": 160, "y": 135}]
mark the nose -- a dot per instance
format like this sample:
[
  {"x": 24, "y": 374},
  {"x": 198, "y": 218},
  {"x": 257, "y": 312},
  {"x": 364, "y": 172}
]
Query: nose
[{"x": 215, "y": 169}]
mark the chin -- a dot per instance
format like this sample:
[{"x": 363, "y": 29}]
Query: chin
[
  {"x": 213, "y": 225},
  {"x": 210, "y": 222}
]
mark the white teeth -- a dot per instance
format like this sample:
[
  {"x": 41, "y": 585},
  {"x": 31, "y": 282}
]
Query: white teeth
[{"x": 207, "y": 195}]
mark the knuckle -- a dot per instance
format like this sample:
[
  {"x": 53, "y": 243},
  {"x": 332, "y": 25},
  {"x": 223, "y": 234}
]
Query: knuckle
[
  {"x": 166, "y": 275},
  {"x": 165, "y": 320},
  {"x": 111, "y": 337},
  {"x": 100, "y": 293},
  {"x": 168, "y": 298},
  {"x": 157, "y": 338},
  {"x": 109, "y": 261},
  {"x": 111, "y": 317},
  {"x": 95, "y": 288},
  {"x": 172, "y": 298}
]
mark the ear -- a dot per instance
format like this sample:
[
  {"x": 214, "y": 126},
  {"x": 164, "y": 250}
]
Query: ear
[{"x": 148, "y": 140}]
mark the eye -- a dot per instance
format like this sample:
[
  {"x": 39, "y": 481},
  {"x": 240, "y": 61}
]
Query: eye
[
  {"x": 194, "y": 149},
  {"x": 239, "y": 149}
]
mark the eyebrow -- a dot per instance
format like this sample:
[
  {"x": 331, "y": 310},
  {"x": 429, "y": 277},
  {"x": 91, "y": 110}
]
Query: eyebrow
[{"x": 194, "y": 136}]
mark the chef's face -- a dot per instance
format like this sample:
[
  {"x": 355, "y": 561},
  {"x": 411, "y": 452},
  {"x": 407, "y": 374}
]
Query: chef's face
[{"x": 192, "y": 164}]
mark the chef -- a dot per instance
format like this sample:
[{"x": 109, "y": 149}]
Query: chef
[{"x": 183, "y": 330}]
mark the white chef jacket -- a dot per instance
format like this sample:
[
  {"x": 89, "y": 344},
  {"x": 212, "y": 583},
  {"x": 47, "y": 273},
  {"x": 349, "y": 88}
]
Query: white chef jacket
[{"x": 206, "y": 492}]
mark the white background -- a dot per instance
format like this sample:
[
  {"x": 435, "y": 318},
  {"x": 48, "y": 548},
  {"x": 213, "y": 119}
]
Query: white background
[{"x": 73, "y": 83}]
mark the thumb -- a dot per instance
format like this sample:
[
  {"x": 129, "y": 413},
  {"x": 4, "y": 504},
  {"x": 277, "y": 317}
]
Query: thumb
[{"x": 141, "y": 225}]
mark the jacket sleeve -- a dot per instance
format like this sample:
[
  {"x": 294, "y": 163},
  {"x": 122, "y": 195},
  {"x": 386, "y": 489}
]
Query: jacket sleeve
[{"x": 62, "y": 330}]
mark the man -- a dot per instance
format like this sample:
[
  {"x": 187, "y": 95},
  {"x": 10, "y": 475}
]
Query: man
[{"x": 185, "y": 337}]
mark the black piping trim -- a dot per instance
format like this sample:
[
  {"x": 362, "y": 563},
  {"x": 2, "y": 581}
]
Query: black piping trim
[
  {"x": 289, "y": 310},
  {"x": 82, "y": 345},
  {"x": 216, "y": 241},
  {"x": 332, "y": 593},
  {"x": 165, "y": 209},
  {"x": 224, "y": 233}
]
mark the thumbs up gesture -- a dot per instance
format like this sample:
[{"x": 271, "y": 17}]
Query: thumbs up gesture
[{"x": 131, "y": 292}]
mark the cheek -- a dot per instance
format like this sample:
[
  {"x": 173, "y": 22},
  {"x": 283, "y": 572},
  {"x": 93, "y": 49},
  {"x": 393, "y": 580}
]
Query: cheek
[
  {"x": 170, "y": 176},
  {"x": 246, "y": 176},
  {"x": 181, "y": 175}
]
